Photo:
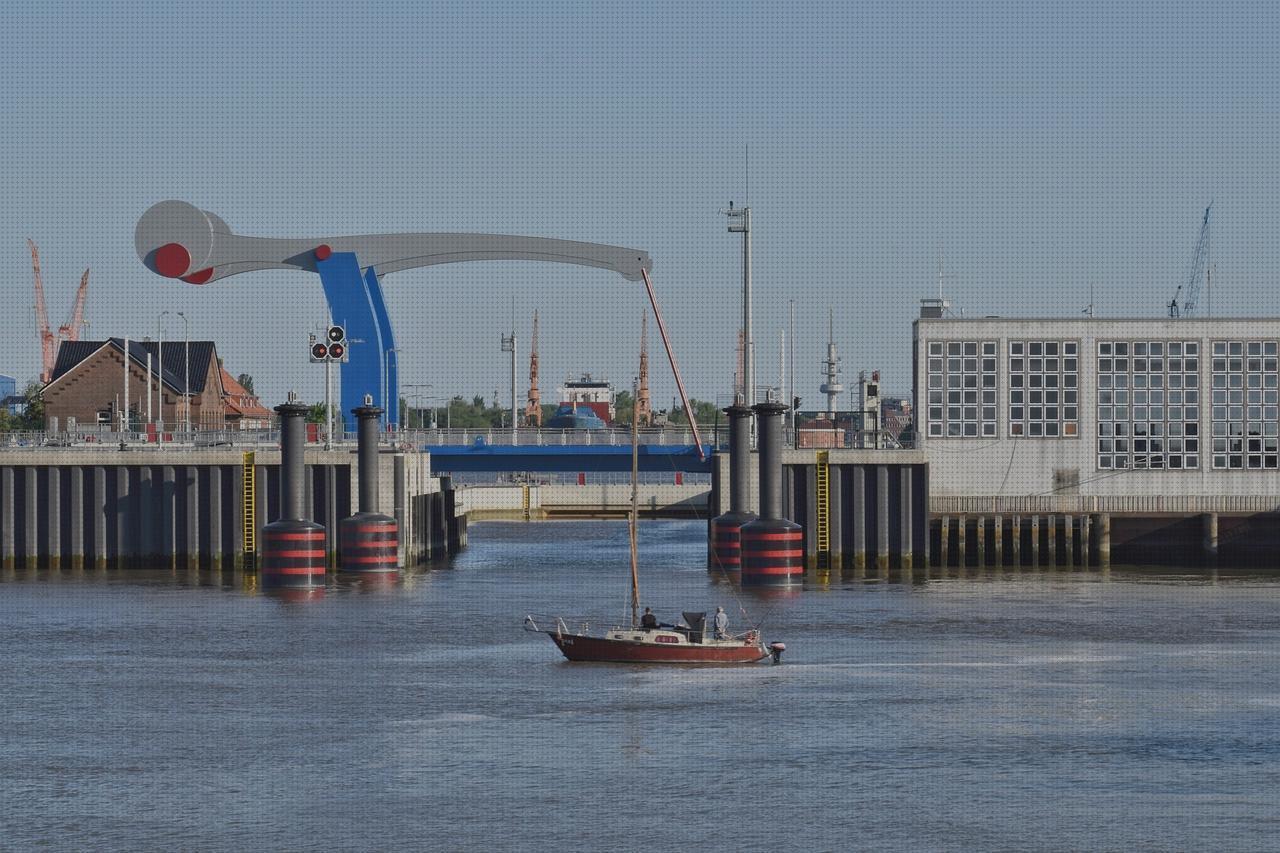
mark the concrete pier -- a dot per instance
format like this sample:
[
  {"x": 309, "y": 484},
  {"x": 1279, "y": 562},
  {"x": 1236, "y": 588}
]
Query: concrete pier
[
  {"x": 980, "y": 537},
  {"x": 1104, "y": 539},
  {"x": 882, "y": 519},
  {"x": 1035, "y": 540},
  {"x": 944, "y": 542},
  {"x": 906, "y": 520},
  {"x": 999, "y": 541},
  {"x": 1210, "y": 544},
  {"x": 1068, "y": 539}
]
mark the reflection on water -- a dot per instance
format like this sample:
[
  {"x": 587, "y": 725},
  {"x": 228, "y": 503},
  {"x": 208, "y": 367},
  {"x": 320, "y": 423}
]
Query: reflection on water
[{"x": 995, "y": 708}]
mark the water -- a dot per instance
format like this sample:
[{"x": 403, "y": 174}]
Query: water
[{"x": 1010, "y": 710}]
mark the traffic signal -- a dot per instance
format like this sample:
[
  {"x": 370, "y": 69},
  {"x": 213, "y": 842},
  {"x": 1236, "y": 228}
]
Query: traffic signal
[
  {"x": 319, "y": 352},
  {"x": 337, "y": 343}
]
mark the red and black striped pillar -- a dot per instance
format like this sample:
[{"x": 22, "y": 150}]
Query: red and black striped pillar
[
  {"x": 368, "y": 542},
  {"x": 725, "y": 551},
  {"x": 293, "y": 548},
  {"x": 772, "y": 546}
]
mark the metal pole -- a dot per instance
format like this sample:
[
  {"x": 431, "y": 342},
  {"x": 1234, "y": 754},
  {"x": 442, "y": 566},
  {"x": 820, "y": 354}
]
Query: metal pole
[
  {"x": 186, "y": 371},
  {"x": 328, "y": 404},
  {"x": 748, "y": 362},
  {"x": 148, "y": 387},
  {"x": 791, "y": 382},
  {"x": 160, "y": 390},
  {"x": 515, "y": 434},
  {"x": 124, "y": 419}
]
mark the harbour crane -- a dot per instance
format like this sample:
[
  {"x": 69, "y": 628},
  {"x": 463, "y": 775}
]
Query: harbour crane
[
  {"x": 1199, "y": 260},
  {"x": 69, "y": 331},
  {"x": 533, "y": 406},
  {"x": 644, "y": 409}
]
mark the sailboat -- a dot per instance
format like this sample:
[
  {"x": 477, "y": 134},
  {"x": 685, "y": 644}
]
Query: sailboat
[{"x": 691, "y": 642}]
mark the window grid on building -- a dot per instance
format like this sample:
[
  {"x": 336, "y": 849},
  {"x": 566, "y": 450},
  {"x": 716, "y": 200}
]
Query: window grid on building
[
  {"x": 1148, "y": 404},
  {"x": 1244, "y": 404},
  {"x": 962, "y": 389},
  {"x": 1044, "y": 389}
]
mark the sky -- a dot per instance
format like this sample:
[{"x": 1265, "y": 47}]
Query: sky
[{"x": 1040, "y": 149}]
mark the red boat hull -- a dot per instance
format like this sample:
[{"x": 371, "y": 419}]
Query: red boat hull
[{"x": 604, "y": 650}]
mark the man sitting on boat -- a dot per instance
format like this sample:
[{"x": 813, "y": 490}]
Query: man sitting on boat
[{"x": 648, "y": 621}]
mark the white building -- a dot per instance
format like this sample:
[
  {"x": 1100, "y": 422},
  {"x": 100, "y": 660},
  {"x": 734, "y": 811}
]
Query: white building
[{"x": 1113, "y": 409}]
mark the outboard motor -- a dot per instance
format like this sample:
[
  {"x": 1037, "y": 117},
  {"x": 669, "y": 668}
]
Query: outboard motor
[{"x": 776, "y": 649}]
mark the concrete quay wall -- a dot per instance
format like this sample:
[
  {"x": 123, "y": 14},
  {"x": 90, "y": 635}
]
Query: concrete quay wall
[{"x": 199, "y": 507}]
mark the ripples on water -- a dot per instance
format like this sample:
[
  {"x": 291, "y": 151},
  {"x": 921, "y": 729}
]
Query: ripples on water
[{"x": 1003, "y": 710}]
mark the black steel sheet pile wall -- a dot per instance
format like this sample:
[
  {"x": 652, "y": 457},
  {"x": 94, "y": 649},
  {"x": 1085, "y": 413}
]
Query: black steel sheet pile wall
[{"x": 772, "y": 546}]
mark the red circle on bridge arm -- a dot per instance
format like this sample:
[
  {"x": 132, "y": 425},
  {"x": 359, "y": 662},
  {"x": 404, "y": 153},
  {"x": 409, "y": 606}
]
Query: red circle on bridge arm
[
  {"x": 172, "y": 260},
  {"x": 323, "y": 252},
  {"x": 199, "y": 277}
]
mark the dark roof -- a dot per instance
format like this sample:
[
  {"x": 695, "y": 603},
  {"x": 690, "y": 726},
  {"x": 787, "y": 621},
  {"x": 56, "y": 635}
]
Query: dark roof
[{"x": 71, "y": 353}]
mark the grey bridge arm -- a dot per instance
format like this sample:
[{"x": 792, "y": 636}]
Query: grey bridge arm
[{"x": 176, "y": 239}]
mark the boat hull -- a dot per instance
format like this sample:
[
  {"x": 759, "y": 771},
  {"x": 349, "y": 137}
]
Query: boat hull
[{"x": 607, "y": 650}]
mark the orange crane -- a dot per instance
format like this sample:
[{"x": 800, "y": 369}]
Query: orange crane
[
  {"x": 70, "y": 331},
  {"x": 644, "y": 412},
  {"x": 533, "y": 408}
]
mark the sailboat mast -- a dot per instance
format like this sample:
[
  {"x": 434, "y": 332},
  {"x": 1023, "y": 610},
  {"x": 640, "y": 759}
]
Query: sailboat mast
[{"x": 635, "y": 508}]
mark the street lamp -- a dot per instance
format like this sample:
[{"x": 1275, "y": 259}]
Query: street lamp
[
  {"x": 418, "y": 397},
  {"x": 509, "y": 345},
  {"x": 740, "y": 223},
  {"x": 186, "y": 372}
]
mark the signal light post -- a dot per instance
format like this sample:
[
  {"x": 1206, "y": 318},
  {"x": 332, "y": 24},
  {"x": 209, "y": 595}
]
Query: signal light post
[{"x": 332, "y": 348}]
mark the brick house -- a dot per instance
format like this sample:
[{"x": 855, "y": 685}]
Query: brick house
[{"x": 89, "y": 377}]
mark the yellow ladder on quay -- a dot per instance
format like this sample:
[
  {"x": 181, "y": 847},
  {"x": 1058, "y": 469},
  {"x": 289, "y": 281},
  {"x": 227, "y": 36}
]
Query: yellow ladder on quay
[
  {"x": 249, "y": 504},
  {"x": 822, "y": 515}
]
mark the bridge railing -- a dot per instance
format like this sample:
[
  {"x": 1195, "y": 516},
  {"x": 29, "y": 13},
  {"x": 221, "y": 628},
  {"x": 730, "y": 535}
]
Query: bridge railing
[{"x": 552, "y": 437}]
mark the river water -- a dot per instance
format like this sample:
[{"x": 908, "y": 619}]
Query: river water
[{"x": 1002, "y": 710}]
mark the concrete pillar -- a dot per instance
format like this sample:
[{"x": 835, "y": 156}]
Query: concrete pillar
[
  {"x": 262, "y": 480},
  {"x": 1104, "y": 539},
  {"x": 401, "y": 514},
  {"x": 1209, "y": 523},
  {"x": 191, "y": 529},
  {"x": 1055, "y": 551},
  {"x": 808, "y": 477},
  {"x": 999, "y": 540},
  {"x": 236, "y": 522},
  {"x": 1015, "y": 539},
  {"x": 30, "y": 516},
  {"x": 147, "y": 509},
  {"x": 168, "y": 517},
  {"x": 75, "y": 524},
  {"x": 962, "y": 556},
  {"x": 213, "y": 517},
  {"x": 1035, "y": 540},
  {"x": 53, "y": 504},
  {"x": 1068, "y": 538},
  {"x": 101, "y": 549},
  {"x": 944, "y": 541},
  {"x": 126, "y": 541},
  {"x": 1086, "y": 530},
  {"x": 908, "y": 535},
  {"x": 835, "y": 491},
  {"x": 882, "y": 518},
  {"x": 980, "y": 534},
  {"x": 330, "y": 522},
  {"x": 7, "y": 518},
  {"x": 858, "y": 505}
]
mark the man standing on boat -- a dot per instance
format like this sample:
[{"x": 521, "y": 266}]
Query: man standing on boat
[{"x": 721, "y": 623}]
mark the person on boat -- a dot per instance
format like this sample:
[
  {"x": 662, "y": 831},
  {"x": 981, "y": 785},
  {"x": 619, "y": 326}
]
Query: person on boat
[
  {"x": 648, "y": 621},
  {"x": 721, "y": 623}
]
